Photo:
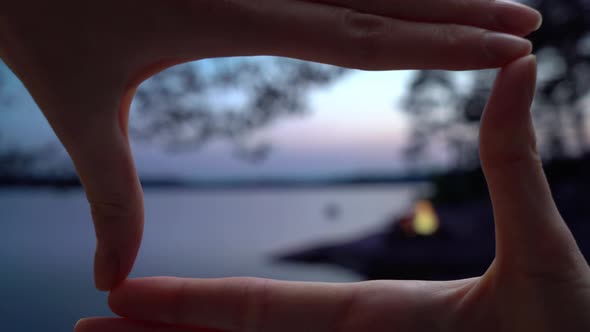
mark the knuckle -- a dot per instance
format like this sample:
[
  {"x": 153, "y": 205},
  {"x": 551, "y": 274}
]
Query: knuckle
[
  {"x": 108, "y": 217},
  {"x": 451, "y": 35},
  {"x": 181, "y": 305},
  {"x": 469, "y": 6},
  {"x": 506, "y": 151},
  {"x": 256, "y": 294},
  {"x": 507, "y": 161},
  {"x": 346, "y": 320},
  {"x": 113, "y": 210},
  {"x": 462, "y": 5},
  {"x": 364, "y": 34}
]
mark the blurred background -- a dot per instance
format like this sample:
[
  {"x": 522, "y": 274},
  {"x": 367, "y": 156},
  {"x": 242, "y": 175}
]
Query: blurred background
[{"x": 278, "y": 168}]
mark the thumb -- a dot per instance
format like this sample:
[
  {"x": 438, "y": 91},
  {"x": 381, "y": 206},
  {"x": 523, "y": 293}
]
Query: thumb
[
  {"x": 108, "y": 175},
  {"x": 531, "y": 236},
  {"x": 94, "y": 132}
]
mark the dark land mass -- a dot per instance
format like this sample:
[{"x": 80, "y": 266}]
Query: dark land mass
[
  {"x": 73, "y": 182},
  {"x": 464, "y": 245}
]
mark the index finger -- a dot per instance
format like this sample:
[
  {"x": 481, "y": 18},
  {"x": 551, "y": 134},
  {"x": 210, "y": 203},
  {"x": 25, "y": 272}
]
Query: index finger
[
  {"x": 336, "y": 35},
  {"x": 499, "y": 15}
]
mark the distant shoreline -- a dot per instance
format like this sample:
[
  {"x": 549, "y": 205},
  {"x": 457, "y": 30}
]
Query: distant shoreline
[
  {"x": 450, "y": 186},
  {"x": 271, "y": 183}
]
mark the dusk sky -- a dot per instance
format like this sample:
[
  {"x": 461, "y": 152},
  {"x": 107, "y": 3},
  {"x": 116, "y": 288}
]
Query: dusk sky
[{"x": 354, "y": 126}]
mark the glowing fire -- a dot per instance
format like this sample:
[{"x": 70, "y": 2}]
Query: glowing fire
[{"x": 425, "y": 220}]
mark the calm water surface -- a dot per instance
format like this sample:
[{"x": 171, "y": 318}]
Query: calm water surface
[{"x": 47, "y": 242}]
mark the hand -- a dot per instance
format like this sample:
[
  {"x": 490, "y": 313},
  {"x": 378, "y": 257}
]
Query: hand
[
  {"x": 538, "y": 282},
  {"x": 82, "y": 62}
]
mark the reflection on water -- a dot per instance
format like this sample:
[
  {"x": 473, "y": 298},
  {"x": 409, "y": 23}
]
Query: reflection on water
[{"x": 47, "y": 242}]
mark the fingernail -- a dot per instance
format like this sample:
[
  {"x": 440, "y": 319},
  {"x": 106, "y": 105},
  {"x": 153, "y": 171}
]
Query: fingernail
[
  {"x": 505, "y": 46},
  {"x": 512, "y": 15},
  {"x": 78, "y": 323},
  {"x": 539, "y": 22},
  {"x": 533, "y": 72},
  {"x": 106, "y": 268}
]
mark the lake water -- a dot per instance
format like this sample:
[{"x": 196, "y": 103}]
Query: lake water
[{"x": 47, "y": 242}]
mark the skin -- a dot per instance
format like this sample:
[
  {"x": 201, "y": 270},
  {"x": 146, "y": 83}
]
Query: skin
[
  {"x": 82, "y": 61},
  {"x": 83, "y": 73},
  {"x": 538, "y": 282}
]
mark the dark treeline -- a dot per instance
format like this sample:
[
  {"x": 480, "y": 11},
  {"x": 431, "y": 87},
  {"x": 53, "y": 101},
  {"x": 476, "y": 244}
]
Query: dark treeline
[
  {"x": 447, "y": 110},
  {"x": 188, "y": 106}
]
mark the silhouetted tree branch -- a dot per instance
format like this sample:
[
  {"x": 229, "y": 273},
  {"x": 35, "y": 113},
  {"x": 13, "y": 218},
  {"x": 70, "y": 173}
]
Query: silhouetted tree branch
[
  {"x": 190, "y": 105},
  {"x": 563, "y": 49},
  {"x": 13, "y": 161}
]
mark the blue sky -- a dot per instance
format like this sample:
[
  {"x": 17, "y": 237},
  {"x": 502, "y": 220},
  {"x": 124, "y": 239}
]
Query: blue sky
[{"x": 354, "y": 127}]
